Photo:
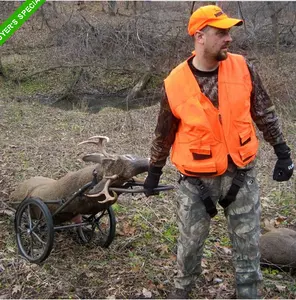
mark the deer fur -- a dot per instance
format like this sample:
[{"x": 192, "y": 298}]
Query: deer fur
[
  {"x": 112, "y": 170},
  {"x": 278, "y": 248}
]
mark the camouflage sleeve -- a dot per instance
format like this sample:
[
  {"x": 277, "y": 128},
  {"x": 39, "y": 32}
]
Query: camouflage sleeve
[
  {"x": 263, "y": 111},
  {"x": 165, "y": 131}
]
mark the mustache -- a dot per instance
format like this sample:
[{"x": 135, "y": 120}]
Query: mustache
[{"x": 227, "y": 44}]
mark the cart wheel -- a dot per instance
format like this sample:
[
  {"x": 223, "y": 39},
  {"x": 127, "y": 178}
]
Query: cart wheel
[
  {"x": 100, "y": 230},
  {"x": 34, "y": 230}
]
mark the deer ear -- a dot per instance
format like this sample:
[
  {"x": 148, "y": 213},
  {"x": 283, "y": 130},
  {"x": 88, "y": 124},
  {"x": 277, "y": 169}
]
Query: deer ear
[{"x": 93, "y": 157}]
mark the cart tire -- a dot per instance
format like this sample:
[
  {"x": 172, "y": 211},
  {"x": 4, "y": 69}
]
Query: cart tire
[
  {"x": 100, "y": 230},
  {"x": 34, "y": 233}
]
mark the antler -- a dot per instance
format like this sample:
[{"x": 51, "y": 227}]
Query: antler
[
  {"x": 105, "y": 190},
  {"x": 99, "y": 142}
]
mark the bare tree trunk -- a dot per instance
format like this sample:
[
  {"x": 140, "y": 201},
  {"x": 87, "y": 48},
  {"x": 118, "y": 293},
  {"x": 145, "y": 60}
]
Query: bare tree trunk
[
  {"x": 276, "y": 8},
  {"x": 140, "y": 86},
  {"x": 275, "y": 11},
  {"x": 134, "y": 7},
  {"x": 54, "y": 7},
  {"x": 112, "y": 8},
  {"x": 44, "y": 19},
  {"x": 2, "y": 71},
  {"x": 276, "y": 37},
  {"x": 240, "y": 13},
  {"x": 192, "y": 7},
  {"x": 71, "y": 88},
  {"x": 134, "y": 93}
]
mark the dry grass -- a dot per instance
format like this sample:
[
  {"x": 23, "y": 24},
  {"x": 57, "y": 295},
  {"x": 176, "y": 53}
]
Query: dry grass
[{"x": 41, "y": 140}]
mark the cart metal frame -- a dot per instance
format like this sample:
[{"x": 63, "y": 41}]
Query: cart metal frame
[{"x": 35, "y": 234}]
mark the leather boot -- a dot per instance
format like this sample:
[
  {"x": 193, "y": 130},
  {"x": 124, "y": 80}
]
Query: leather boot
[
  {"x": 247, "y": 291},
  {"x": 178, "y": 294}
]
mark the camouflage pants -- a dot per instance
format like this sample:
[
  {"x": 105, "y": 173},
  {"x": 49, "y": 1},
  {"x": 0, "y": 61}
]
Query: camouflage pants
[{"x": 243, "y": 218}]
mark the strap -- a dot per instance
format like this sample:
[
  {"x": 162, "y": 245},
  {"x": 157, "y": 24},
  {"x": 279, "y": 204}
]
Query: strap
[
  {"x": 237, "y": 182},
  {"x": 94, "y": 180},
  {"x": 204, "y": 193}
]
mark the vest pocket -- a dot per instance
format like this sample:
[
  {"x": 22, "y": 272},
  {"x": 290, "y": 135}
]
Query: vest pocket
[
  {"x": 201, "y": 152},
  {"x": 248, "y": 141},
  {"x": 201, "y": 168},
  {"x": 247, "y": 151},
  {"x": 244, "y": 129},
  {"x": 245, "y": 136}
]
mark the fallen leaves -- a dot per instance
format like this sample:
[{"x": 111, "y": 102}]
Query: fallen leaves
[
  {"x": 224, "y": 249},
  {"x": 270, "y": 224},
  {"x": 112, "y": 273},
  {"x": 279, "y": 220},
  {"x": 7, "y": 212},
  {"x": 126, "y": 229},
  {"x": 280, "y": 287},
  {"x": 163, "y": 249},
  {"x": 146, "y": 293},
  {"x": 17, "y": 288}
]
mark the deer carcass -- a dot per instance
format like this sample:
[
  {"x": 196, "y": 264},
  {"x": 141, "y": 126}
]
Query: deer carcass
[
  {"x": 278, "y": 248},
  {"x": 110, "y": 170}
]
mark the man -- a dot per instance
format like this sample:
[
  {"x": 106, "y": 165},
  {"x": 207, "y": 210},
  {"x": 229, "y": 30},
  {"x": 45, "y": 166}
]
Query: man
[{"x": 206, "y": 119}]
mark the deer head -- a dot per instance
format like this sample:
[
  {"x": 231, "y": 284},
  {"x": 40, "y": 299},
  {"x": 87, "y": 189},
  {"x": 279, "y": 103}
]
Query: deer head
[
  {"x": 115, "y": 169},
  {"x": 109, "y": 170}
]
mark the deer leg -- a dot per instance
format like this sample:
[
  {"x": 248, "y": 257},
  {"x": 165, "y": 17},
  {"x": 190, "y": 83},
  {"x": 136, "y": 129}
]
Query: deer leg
[{"x": 77, "y": 219}]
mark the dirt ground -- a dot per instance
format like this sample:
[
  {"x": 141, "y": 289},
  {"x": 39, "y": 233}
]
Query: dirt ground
[{"x": 41, "y": 140}]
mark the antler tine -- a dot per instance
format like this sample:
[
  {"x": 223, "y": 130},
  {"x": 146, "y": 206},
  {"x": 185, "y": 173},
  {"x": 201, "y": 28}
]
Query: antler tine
[
  {"x": 99, "y": 142},
  {"x": 101, "y": 137},
  {"x": 105, "y": 191}
]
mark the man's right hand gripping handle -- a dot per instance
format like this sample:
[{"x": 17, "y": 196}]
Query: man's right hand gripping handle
[{"x": 152, "y": 180}]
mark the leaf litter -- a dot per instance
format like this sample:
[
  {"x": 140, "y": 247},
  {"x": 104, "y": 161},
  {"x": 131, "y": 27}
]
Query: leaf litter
[{"x": 140, "y": 263}]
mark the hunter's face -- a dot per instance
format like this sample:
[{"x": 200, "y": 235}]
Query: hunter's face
[{"x": 216, "y": 43}]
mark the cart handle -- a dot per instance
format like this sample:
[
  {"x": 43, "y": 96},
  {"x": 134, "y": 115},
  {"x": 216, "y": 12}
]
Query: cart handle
[{"x": 129, "y": 188}]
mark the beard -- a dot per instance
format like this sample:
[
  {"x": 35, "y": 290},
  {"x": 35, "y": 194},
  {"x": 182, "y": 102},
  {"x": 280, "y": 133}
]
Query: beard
[
  {"x": 221, "y": 55},
  {"x": 216, "y": 56}
]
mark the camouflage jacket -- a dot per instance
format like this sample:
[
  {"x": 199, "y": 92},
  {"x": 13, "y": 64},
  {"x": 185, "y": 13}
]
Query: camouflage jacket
[{"x": 262, "y": 112}]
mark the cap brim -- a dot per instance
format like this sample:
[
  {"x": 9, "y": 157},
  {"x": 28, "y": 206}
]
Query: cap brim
[{"x": 226, "y": 23}]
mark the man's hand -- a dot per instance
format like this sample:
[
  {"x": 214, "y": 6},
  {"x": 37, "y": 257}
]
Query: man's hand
[
  {"x": 284, "y": 166},
  {"x": 152, "y": 180}
]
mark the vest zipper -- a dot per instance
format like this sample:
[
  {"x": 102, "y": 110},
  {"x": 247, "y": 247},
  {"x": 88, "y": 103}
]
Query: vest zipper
[
  {"x": 220, "y": 118},
  {"x": 222, "y": 132}
]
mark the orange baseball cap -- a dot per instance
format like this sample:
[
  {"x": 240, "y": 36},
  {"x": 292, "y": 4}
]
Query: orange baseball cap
[{"x": 211, "y": 15}]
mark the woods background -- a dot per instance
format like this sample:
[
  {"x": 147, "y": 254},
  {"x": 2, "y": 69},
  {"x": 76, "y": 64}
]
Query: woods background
[{"x": 82, "y": 68}]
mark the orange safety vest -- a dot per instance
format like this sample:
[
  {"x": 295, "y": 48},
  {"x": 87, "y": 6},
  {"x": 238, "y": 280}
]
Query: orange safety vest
[{"x": 207, "y": 135}]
